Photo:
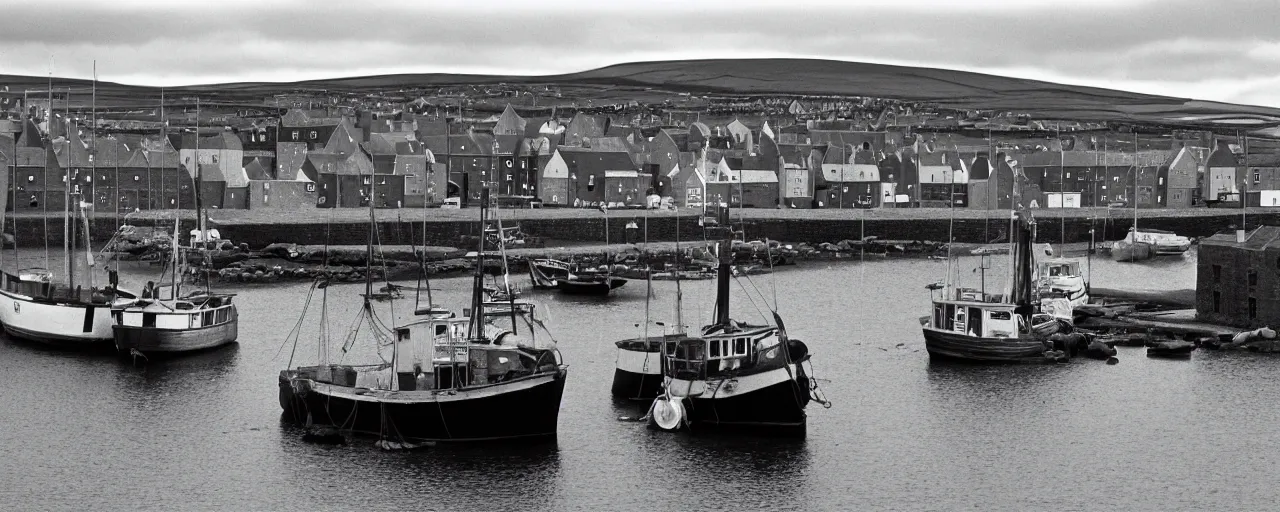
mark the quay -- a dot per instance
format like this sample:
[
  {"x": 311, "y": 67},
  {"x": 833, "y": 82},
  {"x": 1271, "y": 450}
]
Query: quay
[{"x": 572, "y": 226}]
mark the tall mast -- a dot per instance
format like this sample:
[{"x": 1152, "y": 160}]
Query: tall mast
[
  {"x": 68, "y": 181},
  {"x": 724, "y": 252},
  {"x": 679, "y": 292},
  {"x": 477, "y": 288},
  {"x": 177, "y": 226},
  {"x": 199, "y": 179}
]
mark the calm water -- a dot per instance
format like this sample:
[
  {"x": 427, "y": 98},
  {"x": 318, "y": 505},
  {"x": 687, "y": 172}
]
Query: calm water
[{"x": 203, "y": 432}]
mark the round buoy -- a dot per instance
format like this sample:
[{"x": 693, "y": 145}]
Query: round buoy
[{"x": 666, "y": 414}]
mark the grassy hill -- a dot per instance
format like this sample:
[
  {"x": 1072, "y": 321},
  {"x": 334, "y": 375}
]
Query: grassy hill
[{"x": 947, "y": 88}]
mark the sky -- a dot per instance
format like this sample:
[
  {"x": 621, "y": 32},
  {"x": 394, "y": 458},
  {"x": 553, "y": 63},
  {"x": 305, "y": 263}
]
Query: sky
[{"x": 1223, "y": 50}]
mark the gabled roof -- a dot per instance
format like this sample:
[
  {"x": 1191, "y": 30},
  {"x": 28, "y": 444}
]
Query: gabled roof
[
  {"x": 596, "y": 161},
  {"x": 410, "y": 164},
  {"x": 223, "y": 140},
  {"x": 290, "y": 157},
  {"x": 509, "y": 123},
  {"x": 258, "y": 168},
  {"x": 295, "y": 118},
  {"x": 331, "y": 163}
]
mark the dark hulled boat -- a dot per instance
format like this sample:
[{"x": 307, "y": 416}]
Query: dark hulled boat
[
  {"x": 971, "y": 325},
  {"x": 492, "y": 374},
  {"x": 590, "y": 282},
  {"x": 734, "y": 376}
]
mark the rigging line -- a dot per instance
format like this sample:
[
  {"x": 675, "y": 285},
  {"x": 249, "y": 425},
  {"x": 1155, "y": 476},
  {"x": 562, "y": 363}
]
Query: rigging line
[
  {"x": 294, "y": 333},
  {"x": 747, "y": 293}
]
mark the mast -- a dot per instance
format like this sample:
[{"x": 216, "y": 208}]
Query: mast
[
  {"x": 68, "y": 182},
  {"x": 202, "y": 237},
  {"x": 476, "y": 326},
  {"x": 177, "y": 226},
  {"x": 724, "y": 250},
  {"x": 679, "y": 292}
]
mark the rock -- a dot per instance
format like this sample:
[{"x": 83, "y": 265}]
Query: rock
[
  {"x": 1112, "y": 361},
  {"x": 1171, "y": 349},
  {"x": 1100, "y": 351}
]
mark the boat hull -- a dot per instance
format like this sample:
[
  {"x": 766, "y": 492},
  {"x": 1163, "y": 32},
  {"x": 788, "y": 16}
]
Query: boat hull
[
  {"x": 770, "y": 402},
  {"x": 60, "y": 324},
  {"x": 960, "y": 347},
  {"x": 598, "y": 288},
  {"x": 151, "y": 339},
  {"x": 521, "y": 409},
  {"x": 1170, "y": 250},
  {"x": 637, "y": 374}
]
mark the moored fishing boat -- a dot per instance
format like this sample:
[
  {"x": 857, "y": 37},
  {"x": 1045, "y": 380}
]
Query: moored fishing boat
[
  {"x": 1061, "y": 278},
  {"x": 734, "y": 375},
  {"x": 71, "y": 314},
  {"x": 493, "y": 373},
  {"x": 590, "y": 282},
  {"x": 1162, "y": 243},
  {"x": 972, "y": 325}
]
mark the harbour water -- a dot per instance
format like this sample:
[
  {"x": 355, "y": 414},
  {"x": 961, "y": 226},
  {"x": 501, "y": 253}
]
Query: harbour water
[{"x": 204, "y": 432}]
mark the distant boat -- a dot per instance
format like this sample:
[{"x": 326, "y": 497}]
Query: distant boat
[
  {"x": 546, "y": 272},
  {"x": 1163, "y": 243},
  {"x": 590, "y": 282},
  {"x": 971, "y": 325},
  {"x": 1061, "y": 278}
]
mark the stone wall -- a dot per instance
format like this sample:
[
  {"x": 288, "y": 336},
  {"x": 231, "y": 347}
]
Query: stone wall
[{"x": 591, "y": 230}]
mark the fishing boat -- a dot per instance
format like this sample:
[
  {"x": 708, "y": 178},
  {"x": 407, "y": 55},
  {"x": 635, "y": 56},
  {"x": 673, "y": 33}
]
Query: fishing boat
[
  {"x": 1061, "y": 278},
  {"x": 492, "y": 373},
  {"x": 72, "y": 312},
  {"x": 199, "y": 320},
  {"x": 545, "y": 272},
  {"x": 1162, "y": 243},
  {"x": 734, "y": 375},
  {"x": 972, "y": 325},
  {"x": 590, "y": 281}
]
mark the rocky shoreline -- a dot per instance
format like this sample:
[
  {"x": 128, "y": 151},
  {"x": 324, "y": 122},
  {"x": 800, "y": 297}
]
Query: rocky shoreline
[{"x": 350, "y": 263}]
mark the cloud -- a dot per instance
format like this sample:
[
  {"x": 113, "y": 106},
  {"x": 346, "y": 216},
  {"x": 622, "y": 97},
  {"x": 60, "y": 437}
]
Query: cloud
[{"x": 1179, "y": 47}]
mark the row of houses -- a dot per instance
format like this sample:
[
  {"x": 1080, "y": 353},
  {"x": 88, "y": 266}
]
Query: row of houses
[{"x": 314, "y": 158}]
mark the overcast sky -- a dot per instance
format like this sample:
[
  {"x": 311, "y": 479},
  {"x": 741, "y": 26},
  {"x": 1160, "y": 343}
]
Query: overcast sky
[{"x": 1226, "y": 50}]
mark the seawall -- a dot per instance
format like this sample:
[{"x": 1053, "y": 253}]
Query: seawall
[{"x": 574, "y": 227}]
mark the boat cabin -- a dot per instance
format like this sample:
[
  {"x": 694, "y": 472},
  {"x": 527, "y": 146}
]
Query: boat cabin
[
  {"x": 38, "y": 284},
  {"x": 438, "y": 352},
  {"x": 977, "y": 319},
  {"x": 1055, "y": 269},
  {"x": 187, "y": 313},
  {"x": 723, "y": 354}
]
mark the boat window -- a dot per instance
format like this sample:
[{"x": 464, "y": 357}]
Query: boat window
[
  {"x": 441, "y": 329},
  {"x": 713, "y": 349},
  {"x": 1000, "y": 315},
  {"x": 148, "y": 319},
  {"x": 740, "y": 346},
  {"x": 402, "y": 334}
]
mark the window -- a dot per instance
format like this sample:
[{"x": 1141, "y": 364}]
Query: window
[
  {"x": 1217, "y": 273},
  {"x": 1257, "y": 177},
  {"x": 295, "y": 135},
  {"x": 1217, "y": 302},
  {"x": 313, "y": 135},
  {"x": 1253, "y": 278},
  {"x": 1253, "y": 307}
]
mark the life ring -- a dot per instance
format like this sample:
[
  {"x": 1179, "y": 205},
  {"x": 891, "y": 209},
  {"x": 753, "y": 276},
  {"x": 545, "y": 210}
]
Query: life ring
[{"x": 666, "y": 414}]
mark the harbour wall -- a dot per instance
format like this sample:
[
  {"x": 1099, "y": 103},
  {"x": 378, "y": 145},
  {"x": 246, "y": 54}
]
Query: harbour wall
[{"x": 31, "y": 231}]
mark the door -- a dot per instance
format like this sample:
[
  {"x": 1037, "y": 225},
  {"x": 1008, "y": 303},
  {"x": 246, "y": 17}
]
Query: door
[{"x": 960, "y": 323}]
